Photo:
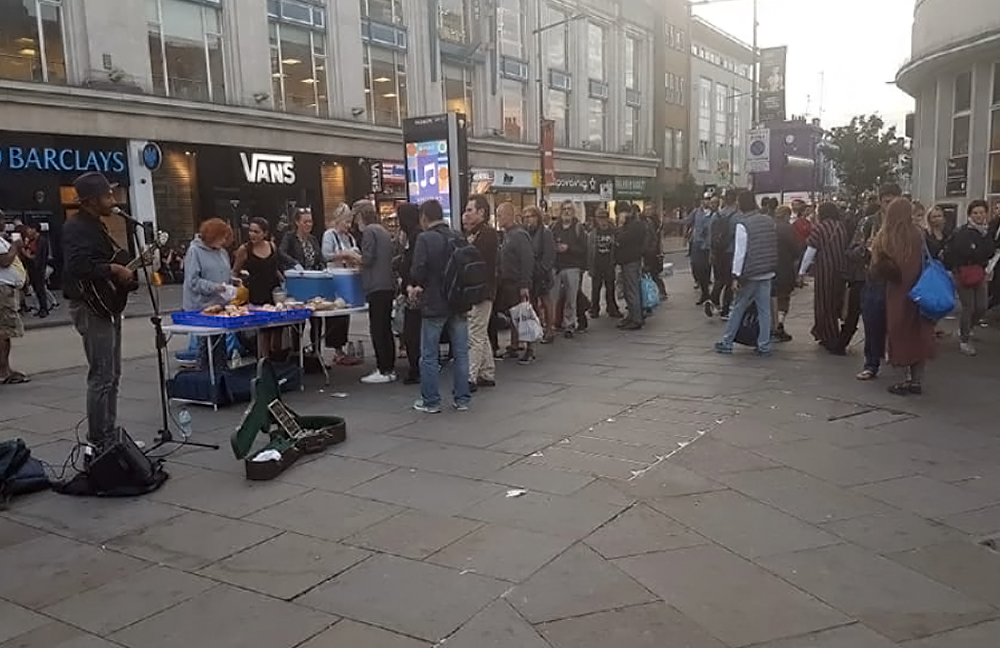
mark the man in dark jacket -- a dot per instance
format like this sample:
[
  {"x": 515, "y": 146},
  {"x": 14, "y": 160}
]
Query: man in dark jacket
[
  {"x": 379, "y": 284},
  {"x": 544, "y": 246},
  {"x": 516, "y": 271},
  {"x": 628, "y": 253},
  {"x": 427, "y": 279},
  {"x": 479, "y": 232},
  {"x": 601, "y": 264},
  {"x": 571, "y": 259}
]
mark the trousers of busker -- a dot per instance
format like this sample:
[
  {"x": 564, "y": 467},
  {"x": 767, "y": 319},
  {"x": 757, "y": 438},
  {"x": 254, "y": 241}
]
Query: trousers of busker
[{"x": 102, "y": 346}]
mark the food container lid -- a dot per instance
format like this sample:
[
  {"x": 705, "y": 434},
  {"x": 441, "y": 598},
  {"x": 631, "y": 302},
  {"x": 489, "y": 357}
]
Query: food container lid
[
  {"x": 311, "y": 274},
  {"x": 344, "y": 271}
]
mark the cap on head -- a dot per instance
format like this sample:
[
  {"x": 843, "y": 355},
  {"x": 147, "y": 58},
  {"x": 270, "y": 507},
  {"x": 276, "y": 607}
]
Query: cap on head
[{"x": 92, "y": 185}]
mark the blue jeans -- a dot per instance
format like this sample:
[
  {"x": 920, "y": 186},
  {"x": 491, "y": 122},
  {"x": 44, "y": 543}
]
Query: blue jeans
[
  {"x": 430, "y": 343},
  {"x": 873, "y": 316},
  {"x": 751, "y": 292}
]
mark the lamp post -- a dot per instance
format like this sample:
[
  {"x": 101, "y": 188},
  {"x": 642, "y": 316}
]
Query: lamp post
[
  {"x": 539, "y": 63},
  {"x": 732, "y": 117},
  {"x": 756, "y": 53}
]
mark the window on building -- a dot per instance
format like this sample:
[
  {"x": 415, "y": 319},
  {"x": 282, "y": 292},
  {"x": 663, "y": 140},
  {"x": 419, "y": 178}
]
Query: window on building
[
  {"x": 704, "y": 123},
  {"x": 963, "y": 92},
  {"x": 631, "y": 63},
  {"x": 31, "y": 41},
  {"x": 558, "y": 111},
  {"x": 669, "y": 160},
  {"x": 458, "y": 90},
  {"x": 722, "y": 100},
  {"x": 385, "y": 85},
  {"x": 596, "y": 123},
  {"x": 513, "y": 106},
  {"x": 679, "y": 160},
  {"x": 595, "y": 51},
  {"x": 298, "y": 66},
  {"x": 736, "y": 125},
  {"x": 632, "y": 130},
  {"x": 453, "y": 21},
  {"x": 994, "y": 183},
  {"x": 996, "y": 83},
  {"x": 961, "y": 121},
  {"x": 510, "y": 25},
  {"x": 185, "y": 50},
  {"x": 557, "y": 38},
  {"x": 385, "y": 11},
  {"x": 960, "y": 135}
]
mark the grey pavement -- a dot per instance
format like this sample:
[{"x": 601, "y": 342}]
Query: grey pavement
[
  {"x": 633, "y": 490},
  {"x": 140, "y": 305}
]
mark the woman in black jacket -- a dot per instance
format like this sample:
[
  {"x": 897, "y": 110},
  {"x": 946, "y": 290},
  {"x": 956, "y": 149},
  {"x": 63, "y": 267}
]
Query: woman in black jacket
[
  {"x": 967, "y": 255},
  {"x": 409, "y": 224}
]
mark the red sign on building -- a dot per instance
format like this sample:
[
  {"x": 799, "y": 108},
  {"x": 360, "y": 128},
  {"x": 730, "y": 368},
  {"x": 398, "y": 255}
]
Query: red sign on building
[{"x": 548, "y": 145}]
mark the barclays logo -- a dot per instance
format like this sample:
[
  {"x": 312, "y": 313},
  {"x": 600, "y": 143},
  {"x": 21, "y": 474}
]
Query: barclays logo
[
  {"x": 152, "y": 156},
  {"x": 66, "y": 160}
]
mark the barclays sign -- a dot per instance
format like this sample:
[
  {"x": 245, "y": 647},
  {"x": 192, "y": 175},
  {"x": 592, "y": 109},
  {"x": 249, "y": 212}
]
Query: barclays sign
[{"x": 61, "y": 160}]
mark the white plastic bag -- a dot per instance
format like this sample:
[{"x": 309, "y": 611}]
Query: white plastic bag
[{"x": 525, "y": 319}]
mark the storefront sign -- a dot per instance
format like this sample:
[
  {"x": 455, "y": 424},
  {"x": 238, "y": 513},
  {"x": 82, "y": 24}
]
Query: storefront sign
[
  {"x": 487, "y": 180},
  {"x": 631, "y": 187},
  {"x": 377, "y": 185},
  {"x": 393, "y": 172},
  {"x": 152, "y": 156},
  {"x": 587, "y": 187},
  {"x": 268, "y": 168},
  {"x": 67, "y": 160},
  {"x": 548, "y": 150}
]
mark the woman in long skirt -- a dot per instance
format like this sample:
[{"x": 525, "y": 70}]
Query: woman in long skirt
[{"x": 827, "y": 247}]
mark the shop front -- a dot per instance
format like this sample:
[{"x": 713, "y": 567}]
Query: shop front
[
  {"x": 635, "y": 189},
  {"x": 388, "y": 188},
  {"x": 504, "y": 185},
  {"x": 194, "y": 183},
  {"x": 36, "y": 181},
  {"x": 592, "y": 191}
]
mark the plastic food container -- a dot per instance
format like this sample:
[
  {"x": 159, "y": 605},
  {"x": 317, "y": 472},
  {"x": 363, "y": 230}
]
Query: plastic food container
[
  {"x": 303, "y": 285},
  {"x": 347, "y": 286}
]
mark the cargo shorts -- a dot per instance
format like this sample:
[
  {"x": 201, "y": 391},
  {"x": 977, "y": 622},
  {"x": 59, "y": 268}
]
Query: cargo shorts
[{"x": 11, "y": 325}]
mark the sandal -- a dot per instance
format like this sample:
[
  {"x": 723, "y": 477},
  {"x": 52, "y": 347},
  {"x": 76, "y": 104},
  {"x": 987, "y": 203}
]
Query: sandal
[
  {"x": 15, "y": 378},
  {"x": 867, "y": 374},
  {"x": 904, "y": 388}
]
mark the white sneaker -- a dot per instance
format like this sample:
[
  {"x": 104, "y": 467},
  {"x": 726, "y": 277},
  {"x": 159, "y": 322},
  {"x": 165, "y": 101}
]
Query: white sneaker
[
  {"x": 378, "y": 378},
  {"x": 967, "y": 349}
]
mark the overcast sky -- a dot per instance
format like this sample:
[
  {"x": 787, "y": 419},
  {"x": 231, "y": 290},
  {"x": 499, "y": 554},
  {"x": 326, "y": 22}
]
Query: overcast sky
[{"x": 857, "y": 45}]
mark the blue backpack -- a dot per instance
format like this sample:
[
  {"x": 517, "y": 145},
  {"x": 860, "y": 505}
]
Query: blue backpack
[{"x": 934, "y": 292}]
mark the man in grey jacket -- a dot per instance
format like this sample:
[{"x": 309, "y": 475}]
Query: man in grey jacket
[
  {"x": 516, "y": 271},
  {"x": 380, "y": 288}
]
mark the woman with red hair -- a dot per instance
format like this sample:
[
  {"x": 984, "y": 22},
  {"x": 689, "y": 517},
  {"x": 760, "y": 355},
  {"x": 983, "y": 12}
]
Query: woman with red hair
[{"x": 207, "y": 270}]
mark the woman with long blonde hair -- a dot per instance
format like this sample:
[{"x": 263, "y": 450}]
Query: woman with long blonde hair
[{"x": 898, "y": 259}]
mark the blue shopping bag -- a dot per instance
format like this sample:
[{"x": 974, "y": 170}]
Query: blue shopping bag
[
  {"x": 650, "y": 293},
  {"x": 934, "y": 292}
]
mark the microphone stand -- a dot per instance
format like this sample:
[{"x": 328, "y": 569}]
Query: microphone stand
[{"x": 163, "y": 435}]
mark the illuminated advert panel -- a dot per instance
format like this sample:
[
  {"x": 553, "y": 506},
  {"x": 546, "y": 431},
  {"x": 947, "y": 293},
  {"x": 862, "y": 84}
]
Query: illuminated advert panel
[{"x": 436, "y": 154}]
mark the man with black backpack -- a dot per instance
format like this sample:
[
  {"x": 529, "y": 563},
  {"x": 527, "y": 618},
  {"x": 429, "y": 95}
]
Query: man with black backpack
[
  {"x": 721, "y": 235},
  {"x": 447, "y": 279}
]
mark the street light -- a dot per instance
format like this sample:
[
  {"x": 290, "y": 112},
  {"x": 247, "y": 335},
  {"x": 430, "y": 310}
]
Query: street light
[
  {"x": 756, "y": 53},
  {"x": 537, "y": 33}
]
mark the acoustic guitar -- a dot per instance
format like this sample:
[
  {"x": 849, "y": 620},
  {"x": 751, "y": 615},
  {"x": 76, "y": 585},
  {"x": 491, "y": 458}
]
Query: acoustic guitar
[{"x": 108, "y": 297}]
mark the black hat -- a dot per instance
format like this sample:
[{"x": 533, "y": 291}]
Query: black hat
[{"x": 91, "y": 185}]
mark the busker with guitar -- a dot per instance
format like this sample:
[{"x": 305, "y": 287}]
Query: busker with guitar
[{"x": 96, "y": 281}]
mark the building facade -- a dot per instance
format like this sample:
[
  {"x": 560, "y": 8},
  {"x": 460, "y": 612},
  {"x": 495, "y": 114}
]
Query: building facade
[
  {"x": 798, "y": 168},
  {"x": 193, "y": 119},
  {"x": 672, "y": 65},
  {"x": 954, "y": 76},
  {"x": 721, "y": 107}
]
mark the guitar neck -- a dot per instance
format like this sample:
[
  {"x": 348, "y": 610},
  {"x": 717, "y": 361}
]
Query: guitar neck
[{"x": 138, "y": 262}]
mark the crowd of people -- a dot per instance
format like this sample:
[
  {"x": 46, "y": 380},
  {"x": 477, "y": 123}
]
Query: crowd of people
[{"x": 863, "y": 265}]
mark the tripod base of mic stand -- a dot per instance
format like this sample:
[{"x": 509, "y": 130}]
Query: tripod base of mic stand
[{"x": 164, "y": 437}]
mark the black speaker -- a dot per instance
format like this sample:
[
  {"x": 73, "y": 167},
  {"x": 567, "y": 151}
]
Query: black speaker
[{"x": 121, "y": 465}]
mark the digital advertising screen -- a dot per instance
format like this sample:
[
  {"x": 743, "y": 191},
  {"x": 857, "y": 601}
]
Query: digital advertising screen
[{"x": 428, "y": 172}]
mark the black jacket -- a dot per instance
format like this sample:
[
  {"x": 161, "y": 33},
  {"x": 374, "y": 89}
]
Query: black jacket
[
  {"x": 968, "y": 246},
  {"x": 576, "y": 239},
  {"x": 517, "y": 259},
  {"x": 291, "y": 247},
  {"x": 87, "y": 252},
  {"x": 631, "y": 241},
  {"x": 430, "y": 256}
]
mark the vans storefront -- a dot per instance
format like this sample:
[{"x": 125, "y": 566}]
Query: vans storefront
[
  {"x": 36, "y": 180},
  {"x": 194, "y": 183}
]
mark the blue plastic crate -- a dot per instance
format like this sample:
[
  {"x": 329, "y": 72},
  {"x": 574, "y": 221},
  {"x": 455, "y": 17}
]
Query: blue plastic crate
[
  {"x": 197, "y": 318},
  {"x": 285, "y": 316}
]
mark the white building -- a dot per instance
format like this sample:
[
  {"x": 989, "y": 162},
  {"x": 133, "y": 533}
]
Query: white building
[
  {"x": 722, "y": 105},
  {"x": 954, "y": 75},
  {"x": 327, "y": 82}
]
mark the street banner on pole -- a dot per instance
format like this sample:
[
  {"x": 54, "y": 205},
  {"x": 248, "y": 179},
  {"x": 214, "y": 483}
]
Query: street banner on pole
[{"x": 772, "y": 84}]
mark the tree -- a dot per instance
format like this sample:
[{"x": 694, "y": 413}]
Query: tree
[{"x": 864, "y": 153}]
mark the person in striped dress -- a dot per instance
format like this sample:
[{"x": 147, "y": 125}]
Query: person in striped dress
[{"x": 827, "y": 248}]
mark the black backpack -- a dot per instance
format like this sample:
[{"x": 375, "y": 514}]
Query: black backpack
[
  {"x": 721, "y": 232},
  {"x": 465, "y": 275}
]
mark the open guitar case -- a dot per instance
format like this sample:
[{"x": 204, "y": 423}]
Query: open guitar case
[{"x": 290, "y": 435}]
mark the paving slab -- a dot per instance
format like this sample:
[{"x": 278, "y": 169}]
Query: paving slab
[
  {"x": 120, "y": 603},
  {"x": 852, "y": 636},
  {"x": 892, "y": 531},
  {"x": 743, "y": 525},
  {"x": 328, "y": 516},
  {"x": 982, "y": 522},
  {"x": 444, "y": 458},
  {"x": 664, "y": 480},
  {"x": 887, "y": 597},
  {"x": 576, "y": 583},
  {"x": 964, "y": 565},
  {"x": 736, "y": 601},
  {"x": 350, "y": 634},
  {"x": 977, "y": 636},
  {"x": 639, "y": 626},
  {"x": 232, "y": 617},
  {"x": 840, "y": 466},
  {"x": 333, "y": 473},
  {"x": 498, "y": 626},
  {"x": 235, "y": 498},
  {"x": 562, "y": 457},
  {"x": 285, "y": 566},
  {"x": 928, "y": 497},
  {"x": 540, "y": 478},
  {"x": 13, "y": 533},
  {"x": 431, "y": 492},
  {"x": 58, "y": 635},
  {"x": 638, "y": 530},
  {"x": 552, "y": 514},
  {"x": 710, "y": 457},
  {"x": 413, "y": 534},
  {"x": 506, "y": 553},
  {"x": 193, "y": 540},
  {"x": 49, "y": 569},
  {"x": 413, "y": 598},
  {"x": 16, "y": 621}
]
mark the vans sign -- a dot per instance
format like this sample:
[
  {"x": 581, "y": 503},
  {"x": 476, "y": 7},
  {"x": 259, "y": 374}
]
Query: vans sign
[{"x": 268, "y": 168}]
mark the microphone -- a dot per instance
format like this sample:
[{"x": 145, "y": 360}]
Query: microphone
[{"x": 118, "y": 211}]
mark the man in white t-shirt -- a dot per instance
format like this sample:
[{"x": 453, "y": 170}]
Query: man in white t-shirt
[{"x": 12, "y": 276}]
